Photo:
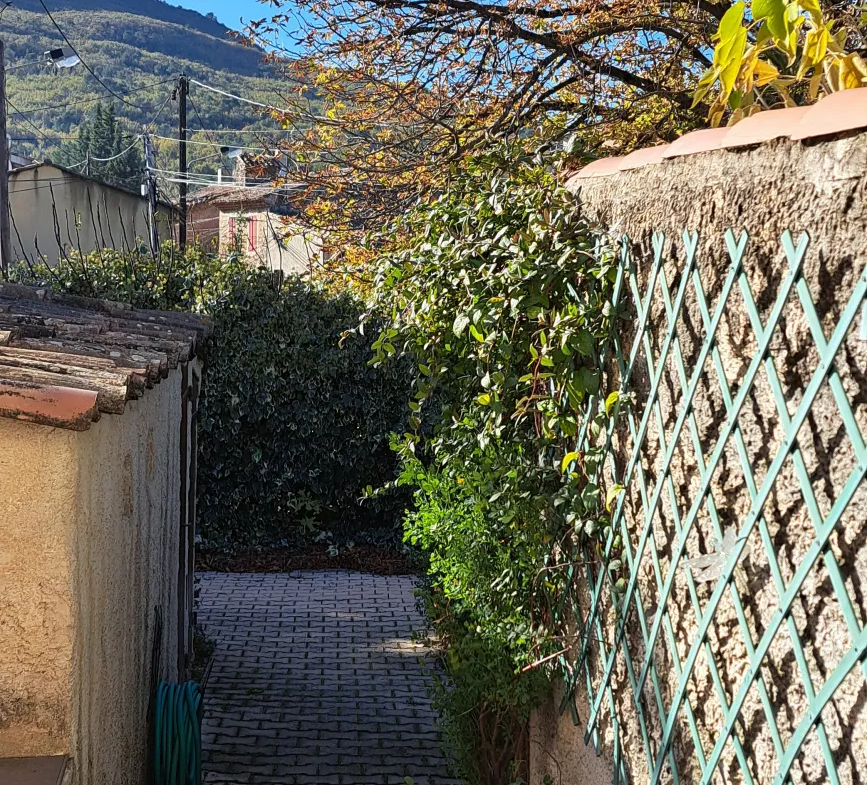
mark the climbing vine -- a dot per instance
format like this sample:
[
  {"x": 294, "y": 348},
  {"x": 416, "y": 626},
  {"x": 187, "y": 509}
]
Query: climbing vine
[{"x": 501, "y": 292}]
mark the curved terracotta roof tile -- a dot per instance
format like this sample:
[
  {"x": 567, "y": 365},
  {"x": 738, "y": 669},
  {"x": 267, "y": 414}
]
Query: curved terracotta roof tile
[
  {"x": 65, "y": 359},
  {"x": 61, "y": 407},
  {"x": 643, "y": 157},
  {"x": 834, "y": 114},
  {"x": 764, "y": 126},
  {"x": 598, "y": 168},
  {"x": 701, "y": 141}
]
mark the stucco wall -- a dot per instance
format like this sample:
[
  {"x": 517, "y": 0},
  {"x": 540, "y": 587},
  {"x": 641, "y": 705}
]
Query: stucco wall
[
  {"x": 89, "y": 215},
  {"x": 277, "y": 247},
  {"x": 821, "y": 188},
  {"x": 38, "y": 494},
  {"x": 126, "y": 550},
  {"x": 90, "y": 527}
]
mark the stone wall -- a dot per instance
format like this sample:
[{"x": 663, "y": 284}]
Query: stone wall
[{"x": 817, "y": 187}]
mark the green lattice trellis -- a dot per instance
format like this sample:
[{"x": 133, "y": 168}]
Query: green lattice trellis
[{"x": 677, "y": 715}]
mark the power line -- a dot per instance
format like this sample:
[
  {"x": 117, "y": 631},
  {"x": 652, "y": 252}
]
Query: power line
[
  {"x": 232, "y": 95},
  {"x": 260, "y": 131},
  {"x": 210, "y": 144},
  {"x": 91, "y": 100},
  {"x": 122, "y": 153},
  {"x": 83, "y": 62},
  {"x": 30, "y": 122}
]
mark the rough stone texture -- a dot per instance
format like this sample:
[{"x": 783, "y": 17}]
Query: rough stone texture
[
  {"x": 557, "y": 748},
  {"x": 316, "y": 679},
  {"x": 126, "y": 551},
  {"x": 821, "y": 188}
]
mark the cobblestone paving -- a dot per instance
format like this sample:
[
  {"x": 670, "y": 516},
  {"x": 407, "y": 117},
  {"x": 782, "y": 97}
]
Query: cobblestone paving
[{"x": 316, "y": 681}]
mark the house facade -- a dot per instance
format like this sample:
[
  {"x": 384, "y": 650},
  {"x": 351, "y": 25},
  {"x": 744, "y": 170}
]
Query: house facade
[
  {"x": 55, "y": 211},
  {"x": 254, "y": 220}
]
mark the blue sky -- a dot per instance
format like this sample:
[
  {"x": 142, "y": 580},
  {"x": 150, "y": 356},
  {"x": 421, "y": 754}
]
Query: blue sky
[
  {"x": 232, "y": 12},
  {"x": 229, "y": 12}
]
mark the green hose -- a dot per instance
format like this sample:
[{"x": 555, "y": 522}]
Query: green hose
[{"x": 178, "y": 734}]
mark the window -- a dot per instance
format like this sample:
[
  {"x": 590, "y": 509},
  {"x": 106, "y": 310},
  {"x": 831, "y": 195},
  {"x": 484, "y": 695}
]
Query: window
[{"x": 252, "y": 233}]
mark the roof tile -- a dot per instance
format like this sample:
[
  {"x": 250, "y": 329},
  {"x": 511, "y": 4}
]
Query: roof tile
[
  {"x": 764, "y": 126},
  {"x": 60, "y": 407},
  {"x": 65, "y": 359},
  {"x": 598, "y": 168},
  {"x": 836, "y": 113},
  {"x": 701, "y": 141},
  {"x": 643, "y": 157}
]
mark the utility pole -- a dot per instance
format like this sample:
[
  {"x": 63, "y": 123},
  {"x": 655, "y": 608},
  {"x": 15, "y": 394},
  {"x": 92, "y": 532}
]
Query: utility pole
[
  {"x": 151, "y": 193},
  {"x": 5, "y": 243},
  {"x": 182, "y": 90}
]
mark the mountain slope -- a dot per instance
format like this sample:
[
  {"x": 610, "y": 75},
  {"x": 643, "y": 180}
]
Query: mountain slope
[
  {"x": 152, "y": 9},
  {"x": 132, "y": 52}
]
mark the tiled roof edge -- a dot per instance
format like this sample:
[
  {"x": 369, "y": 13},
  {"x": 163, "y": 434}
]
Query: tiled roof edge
[{"x": 835, "y": 114}]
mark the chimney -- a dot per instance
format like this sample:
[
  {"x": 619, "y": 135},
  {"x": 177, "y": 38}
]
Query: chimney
[{"x": 240, "y": 171}]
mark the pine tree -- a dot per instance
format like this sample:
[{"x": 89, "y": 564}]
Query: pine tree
[{"x": 101, "y": 136}]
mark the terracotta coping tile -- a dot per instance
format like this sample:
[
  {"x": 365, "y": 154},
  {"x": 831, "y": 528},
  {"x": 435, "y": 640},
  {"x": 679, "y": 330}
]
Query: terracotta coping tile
[
  {"x": 702, "y": 141},
  {"x": 643, "y": 157},
  {"x": 764, "y": 126},
  {"x": 61, "y": 407},
  {"x": 598, "y": 168},
  {"x": 835, "y": 113}
]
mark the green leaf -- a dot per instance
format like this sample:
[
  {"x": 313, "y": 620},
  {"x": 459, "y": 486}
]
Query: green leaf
[
  {"x": 460, "y": 324},
  {"x": 774, "y": 14},
  {"x": 613, "y": 492},
  {"x": 568, "y": 458},
  {"x": 731, "y": 22},
  {"x": 611, "y": 402}
]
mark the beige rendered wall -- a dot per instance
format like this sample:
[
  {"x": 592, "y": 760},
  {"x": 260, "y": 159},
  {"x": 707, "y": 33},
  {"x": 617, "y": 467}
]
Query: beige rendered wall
[
  {"x": 90, "y": 528},
  {"x": 38, "y": 494},
  {"x": 89, "y": 215},
  {"x": 125, "y": 563},
  {"x": 279, "y": 246}
]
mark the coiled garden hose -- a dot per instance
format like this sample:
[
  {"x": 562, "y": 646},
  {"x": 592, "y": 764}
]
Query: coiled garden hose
[{"x": 178, "y": 734}]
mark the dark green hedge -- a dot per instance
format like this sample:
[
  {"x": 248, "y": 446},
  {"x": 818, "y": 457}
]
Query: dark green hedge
[{"x": 294, "y": 423}]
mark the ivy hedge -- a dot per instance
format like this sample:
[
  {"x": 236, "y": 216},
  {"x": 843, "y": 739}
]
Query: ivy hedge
[{"x": 294, "y": 422}]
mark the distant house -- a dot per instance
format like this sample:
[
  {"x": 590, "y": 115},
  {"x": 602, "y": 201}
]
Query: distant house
[
  {"x": 97, "y": 516},
  {"x": 56, "y": 210},
  {"x": 255, "y": 219}
]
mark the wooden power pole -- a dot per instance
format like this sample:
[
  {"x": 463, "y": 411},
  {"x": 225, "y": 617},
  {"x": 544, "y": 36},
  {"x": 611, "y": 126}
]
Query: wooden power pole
[
  {"x": 5, "y": 243},
  {"x": 183, "y": 89},
  {"x": 151, "y": 193}
]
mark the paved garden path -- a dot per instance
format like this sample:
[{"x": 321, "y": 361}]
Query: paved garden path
[{"x": 316, "y": 680}]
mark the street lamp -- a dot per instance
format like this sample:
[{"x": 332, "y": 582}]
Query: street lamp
[{"x": 56, "y": 57}]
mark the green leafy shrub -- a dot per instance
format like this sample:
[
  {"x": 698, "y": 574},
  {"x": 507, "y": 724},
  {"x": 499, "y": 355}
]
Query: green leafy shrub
[
  {"x": 501, "y": 292},
  {"x": 294, "y": 423},
  {"x": 484, "y": 704}
]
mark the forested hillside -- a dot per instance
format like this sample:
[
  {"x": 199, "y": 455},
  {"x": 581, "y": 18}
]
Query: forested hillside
[{"x": 136, "y": 54}]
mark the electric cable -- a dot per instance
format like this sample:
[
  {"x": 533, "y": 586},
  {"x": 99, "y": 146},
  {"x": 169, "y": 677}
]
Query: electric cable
[
  {"x": 235, "y": 97},
  {"x": 141, "y": 89}
]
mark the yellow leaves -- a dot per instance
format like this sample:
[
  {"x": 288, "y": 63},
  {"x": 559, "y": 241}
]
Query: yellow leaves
[
  {"x": 764, "y": 73},
  {"x": 742, "y": 67},
  {"x": 815, "y": 47},
  {"x": 846, "y": 73}
]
